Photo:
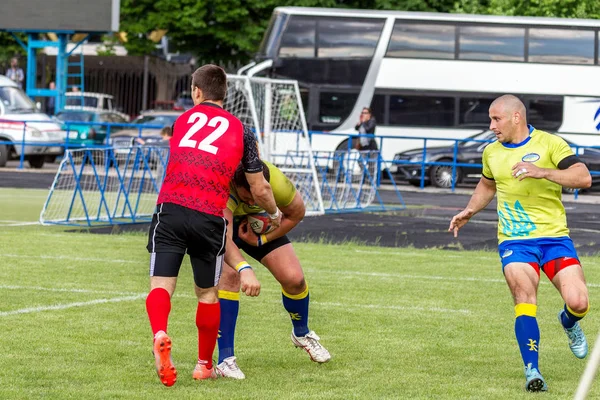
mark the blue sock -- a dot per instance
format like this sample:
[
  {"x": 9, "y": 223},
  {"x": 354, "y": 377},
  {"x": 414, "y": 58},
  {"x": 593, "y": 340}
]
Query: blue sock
[
  {"x": 297, "y": 306},
  {"x": 230, "y": 306},
  {"x": 568, "y": 317},
  {"x": 528, "y": 333}
]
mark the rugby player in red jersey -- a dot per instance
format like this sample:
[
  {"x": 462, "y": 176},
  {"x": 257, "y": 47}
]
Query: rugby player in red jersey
[{"x": 208, "y": 144}]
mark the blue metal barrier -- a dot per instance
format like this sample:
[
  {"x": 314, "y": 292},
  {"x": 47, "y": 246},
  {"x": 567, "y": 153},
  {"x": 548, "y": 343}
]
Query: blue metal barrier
[
  {"x": 67, "y": 142},
  {"x": 454, "y": 164}
]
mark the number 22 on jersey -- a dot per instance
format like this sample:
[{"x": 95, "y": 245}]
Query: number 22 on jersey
[{"x": 200, "y": 120}]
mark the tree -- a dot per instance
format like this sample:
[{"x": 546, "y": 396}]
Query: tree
[
  {"x": 539, "y": 8},
  {"x": 10, "y": 48},
  {"x": 232, "y": 29}
]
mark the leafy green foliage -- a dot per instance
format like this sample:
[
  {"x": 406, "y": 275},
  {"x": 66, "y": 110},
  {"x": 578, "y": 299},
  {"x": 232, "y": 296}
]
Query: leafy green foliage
[{"x": 9, "y": 48}]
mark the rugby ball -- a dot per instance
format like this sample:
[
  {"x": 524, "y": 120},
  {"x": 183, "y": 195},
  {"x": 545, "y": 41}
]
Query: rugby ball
[{"x": 260, "y": 223}]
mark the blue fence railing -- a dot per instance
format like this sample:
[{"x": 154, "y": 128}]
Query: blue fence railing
[
  {"x": 35, "y": 142},
  {"x": 453, "y": 159},
  {"x": 32, "y": 138}
]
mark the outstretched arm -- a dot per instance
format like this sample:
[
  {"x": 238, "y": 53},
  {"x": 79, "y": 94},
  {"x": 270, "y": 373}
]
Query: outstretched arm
[
  {"x": 483, "y": 194},
  {"x": 233, "y": 257}
]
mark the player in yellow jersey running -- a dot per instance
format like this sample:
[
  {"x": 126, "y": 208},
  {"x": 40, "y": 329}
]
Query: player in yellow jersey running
[
  {"x": 528, "y": 168},
  {"x": 275, "y": 252}
]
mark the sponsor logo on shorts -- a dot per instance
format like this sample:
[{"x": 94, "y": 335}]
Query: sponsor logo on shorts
[
  {"x": 531, "y": 157},
  {"x": 507, "y": 253}
]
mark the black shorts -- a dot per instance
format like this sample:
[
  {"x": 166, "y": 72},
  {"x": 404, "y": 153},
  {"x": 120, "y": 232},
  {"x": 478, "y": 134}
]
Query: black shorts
[
  {"x": 258, "y": 253},
  {"x": 176, "y": 230}
]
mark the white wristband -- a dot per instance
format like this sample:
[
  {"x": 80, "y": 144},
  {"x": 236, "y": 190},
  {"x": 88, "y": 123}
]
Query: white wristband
[{"x": 274, "y": 216}]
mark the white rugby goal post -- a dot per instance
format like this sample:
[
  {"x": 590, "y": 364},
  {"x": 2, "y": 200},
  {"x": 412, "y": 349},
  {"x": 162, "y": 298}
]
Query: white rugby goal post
[{"x": 273, "y": 108}]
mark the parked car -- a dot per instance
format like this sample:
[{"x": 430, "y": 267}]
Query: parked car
[
  {"x": 123, "y": 141},
  {"x": 87, "y": 134},
  {"x": 90, "y": 101},
  {"x": 184, "y": 101},
  {"x": 21, "y": 119},
  {"x": 155, "y": 119},
  {"x": 468, "y": 152}
]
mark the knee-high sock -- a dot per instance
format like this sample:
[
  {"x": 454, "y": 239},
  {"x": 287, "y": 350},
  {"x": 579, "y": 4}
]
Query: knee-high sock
[
  {"x": 297, "y": 306},
  {"x": 207, "y": 321},
  {"x": 158, "y": 307},
  {"x": 528, "y": 333},
  {"x": 230, "y": 306},
  {"x": 570, "y": 317}
]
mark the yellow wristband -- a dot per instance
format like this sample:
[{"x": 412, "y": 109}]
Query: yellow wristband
[
  {"x": 241, "y": 265},
  {"x": 263, "y": 239}
]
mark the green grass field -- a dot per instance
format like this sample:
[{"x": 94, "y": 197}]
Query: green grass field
[{"x": 400, "y": 323}]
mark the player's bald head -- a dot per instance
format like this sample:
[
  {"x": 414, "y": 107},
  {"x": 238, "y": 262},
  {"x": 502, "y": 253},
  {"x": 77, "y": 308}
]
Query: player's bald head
[{"x": 510, "y": 104}]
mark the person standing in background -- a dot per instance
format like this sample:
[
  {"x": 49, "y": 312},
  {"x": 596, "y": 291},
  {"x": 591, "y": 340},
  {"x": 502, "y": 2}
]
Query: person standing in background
[
  {"x": 15, "y": 73},
  {"x": 366, "y": 126}
]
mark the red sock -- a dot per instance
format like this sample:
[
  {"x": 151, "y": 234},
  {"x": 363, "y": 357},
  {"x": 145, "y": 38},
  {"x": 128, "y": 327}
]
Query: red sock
[
  {"x": 158, "y": 306},
  {"x": 207, "y": 320}
]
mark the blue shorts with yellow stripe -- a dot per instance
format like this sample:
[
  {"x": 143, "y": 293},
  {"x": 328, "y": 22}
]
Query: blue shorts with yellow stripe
[{"x": 539, "y": 251}]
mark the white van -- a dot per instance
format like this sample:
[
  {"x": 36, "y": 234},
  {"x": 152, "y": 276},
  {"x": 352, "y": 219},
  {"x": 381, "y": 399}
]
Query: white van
[
  {"x": 89, "y": 101},
  {"x": 21, "y": 121}
]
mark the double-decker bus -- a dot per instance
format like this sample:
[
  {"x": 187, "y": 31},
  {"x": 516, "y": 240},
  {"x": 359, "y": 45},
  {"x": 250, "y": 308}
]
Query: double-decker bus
[{"x": 433, "y": 74}]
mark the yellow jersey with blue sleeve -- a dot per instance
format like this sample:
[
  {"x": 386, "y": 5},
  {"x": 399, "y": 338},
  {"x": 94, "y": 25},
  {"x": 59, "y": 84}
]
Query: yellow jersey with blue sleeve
[
  {"x": 283, "y": 192},
  {"x": 531, "y": 208}
]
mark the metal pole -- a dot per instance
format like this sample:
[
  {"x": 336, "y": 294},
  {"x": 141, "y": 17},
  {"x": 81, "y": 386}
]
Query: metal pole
[
  {"x": 61, "y": 71},
  {"x": 145, "y": 84}
]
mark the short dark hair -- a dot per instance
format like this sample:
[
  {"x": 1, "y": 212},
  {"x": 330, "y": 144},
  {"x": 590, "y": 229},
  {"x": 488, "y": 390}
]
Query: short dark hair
[
  {"x": 239, "y": 178},
  {"x": 368, "y": 109},
  {"x": 212, "y": 80},
  {"x": 167, "y": 131}
]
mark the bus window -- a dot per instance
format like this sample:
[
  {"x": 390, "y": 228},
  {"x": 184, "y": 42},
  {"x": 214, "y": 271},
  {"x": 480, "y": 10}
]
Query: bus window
[
  {"x": 475, "y": 111},
  {"x": 545, "y": 114},
  {"x": 378, "y": 107},
  {"x": 422, "y": 41},
  {"x": 561, "y": 46},
  {"x": 421, "y": 111},
  {"x": 335, "y": 107},
  {"x": 298, "y": 40},
  {"x": 348, "y": 38},
  {"x": 491, "y": 43},
  {"x": 269, "y": 42}
]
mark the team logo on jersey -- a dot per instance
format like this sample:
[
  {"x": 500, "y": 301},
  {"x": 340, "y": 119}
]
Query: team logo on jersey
[
  {"x": 507, "y": 253},
  {"x": 531, "y": 157}
]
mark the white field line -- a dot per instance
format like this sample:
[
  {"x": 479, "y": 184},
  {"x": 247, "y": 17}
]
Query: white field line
[
  {"x": 319, "y": 271},
  {"x": 134, "y": 296},
  {"x": 70, "y": 305},
  {"x": 387, "y": 307},
  {"x": 69, "y": 258},
  {"x": 18, "y": 223},
  {"x": 425, "y": 277},
  {"x": 423, "y": 254},
  {"x": 67, "y": 290},
  {"x": 24, "y": 196}
]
